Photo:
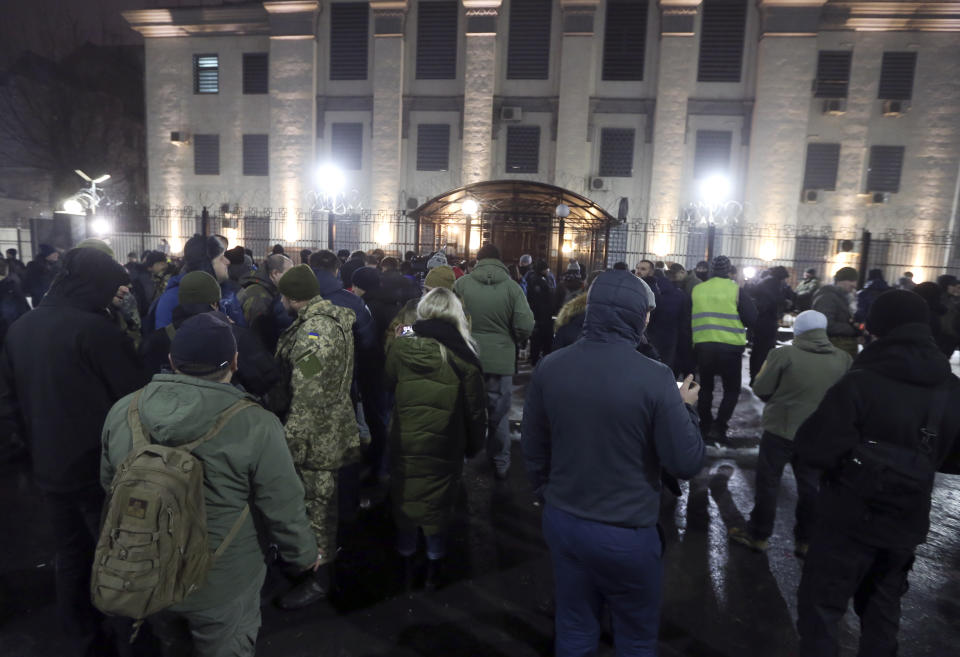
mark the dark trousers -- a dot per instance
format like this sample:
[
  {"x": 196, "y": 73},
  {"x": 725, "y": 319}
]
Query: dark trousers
[
  {"x": 76, "y": 524},
  {"x": 596, "y": 564},
  {"x": 718, "y": 360},
  {"x": 775, "y": 453},
  {"x": 376, "y": 413},
  {"x": 763, "y": 344},
  {"x": 541, "y": 340},
  {"x": 837, "y": 568}
]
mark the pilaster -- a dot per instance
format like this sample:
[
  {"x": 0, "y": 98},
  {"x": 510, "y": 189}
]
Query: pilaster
[
  {"x": 576, "y": 85},
  {"x": 389, "y": 17},
  {"x": 479, "y": 81}
]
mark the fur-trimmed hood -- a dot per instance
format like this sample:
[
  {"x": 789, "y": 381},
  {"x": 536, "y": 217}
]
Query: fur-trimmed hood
[{"x": 576, "y": 306}]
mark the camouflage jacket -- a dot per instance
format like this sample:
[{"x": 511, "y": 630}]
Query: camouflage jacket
[{"x": 316, "y": 356}]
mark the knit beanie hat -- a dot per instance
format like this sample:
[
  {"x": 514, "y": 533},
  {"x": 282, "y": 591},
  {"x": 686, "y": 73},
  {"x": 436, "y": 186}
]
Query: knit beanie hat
[
  {"x": 299, "y": 283},
  {"x": 845, "y": 274},
  {"x": 442, "y": 276},
  {"x": 526, "y": 260},
  {"x": 541, "y": 266},
  {"x": 203, "y": 344},
  {"x": 198, "y": 287},
  {"x": 436, "y": 260},
  {"x": 235, "y": 255},
  {"x": 153, "y": 257},
  {"x": 809, "y": 320},
  {"x": 99, "y": 245},
  {"x": 366, "y": 278},
  {"x": 45, "y": 250},
  {"x": 720, "y": 266},
  {"x": 780, "y": 273},
  {"x": 895, "y": 308}
]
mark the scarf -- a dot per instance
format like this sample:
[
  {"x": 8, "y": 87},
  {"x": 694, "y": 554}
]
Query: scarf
[{"x": 447, "y": 334}]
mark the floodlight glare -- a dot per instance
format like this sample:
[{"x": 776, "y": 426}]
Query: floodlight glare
[
  {"x": 749, "y": 272},
  {"x": 102, "y": 178},
  {"x": 715, "y": 188},
  {"x": 73, "y": 206},
  {"x": 330, "y": 179},
  {"x": 100, "y": 226},
  {"x": 470, "y": 207}
]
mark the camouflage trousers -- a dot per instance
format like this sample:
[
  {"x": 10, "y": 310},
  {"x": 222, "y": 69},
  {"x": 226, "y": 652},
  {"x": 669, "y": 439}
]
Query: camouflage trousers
[{"x": 320, "y": 498}]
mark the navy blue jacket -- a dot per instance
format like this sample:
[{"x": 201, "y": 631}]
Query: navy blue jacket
[
  {"x": 596, "y": 451},
  {"x": 364, "y": 333}
]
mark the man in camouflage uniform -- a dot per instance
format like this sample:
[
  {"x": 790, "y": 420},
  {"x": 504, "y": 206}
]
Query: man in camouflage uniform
[
  {"x": 316, "y": 357},
  {"x": 258, "y": 298}
]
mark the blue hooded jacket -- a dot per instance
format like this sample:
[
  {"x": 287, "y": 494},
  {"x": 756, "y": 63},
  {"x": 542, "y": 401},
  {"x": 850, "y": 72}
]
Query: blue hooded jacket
[{"x": 596, "y": 451}]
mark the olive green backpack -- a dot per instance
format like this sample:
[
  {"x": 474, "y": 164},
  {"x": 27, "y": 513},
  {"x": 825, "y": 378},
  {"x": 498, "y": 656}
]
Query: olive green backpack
[{"x": 153, "y": 550}]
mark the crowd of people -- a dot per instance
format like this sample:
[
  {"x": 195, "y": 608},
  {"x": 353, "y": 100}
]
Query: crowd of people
[{"x": 280, "y": 390}]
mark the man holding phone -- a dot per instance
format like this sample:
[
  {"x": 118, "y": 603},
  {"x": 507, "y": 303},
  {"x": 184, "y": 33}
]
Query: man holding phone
[{"x": 596, "y": 465}]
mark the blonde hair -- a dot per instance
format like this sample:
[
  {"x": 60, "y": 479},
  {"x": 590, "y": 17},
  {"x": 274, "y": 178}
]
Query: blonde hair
[{"x": 441, "y": 303}]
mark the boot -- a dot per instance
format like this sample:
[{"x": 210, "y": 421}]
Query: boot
[
  {"x": 312, "y": 588},
  {"x": 409, "y": 573},
  {"x": 434, "y": 574}
]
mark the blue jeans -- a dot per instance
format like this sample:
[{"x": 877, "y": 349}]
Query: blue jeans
[
  {"x": 596, "y": 564},
  {"x": 407, "y": 543},
  {"x": 499, "y": 397}
]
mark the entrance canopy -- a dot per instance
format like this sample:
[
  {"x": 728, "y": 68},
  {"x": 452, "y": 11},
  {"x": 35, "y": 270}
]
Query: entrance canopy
[{"x": 519, "y": 201}]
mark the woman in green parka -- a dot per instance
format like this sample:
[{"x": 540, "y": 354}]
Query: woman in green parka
[{"x": 439, "y": 416}]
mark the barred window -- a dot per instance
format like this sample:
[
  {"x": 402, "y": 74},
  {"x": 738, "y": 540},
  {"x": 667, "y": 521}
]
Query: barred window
[
  {"x": 833, "y": 73},
  {"x": 346, "y": 145},
  {"x": 256, "y": 155},
  {"x": 896, "y": 76},
  {"x": 349, "y": 33},
  {"x": 206, "y": 74},
  {"x": 616, "y": 152},
  {"x": 206, "y": 155},
  {"x": 433, "y": 147},
  {"x": 883, "y": 171},
  {"x": 437, "y": 40},
  {"x": 528, "y": 48},
  {"x": 624, "y": 39},
  {"x": 722, "y": 27},
  {"x": 712, "y": 154},
  {"x": 523, "y": 149},
  {"x": 820, "y": 172},
  {"x": 255, "y": 71}
]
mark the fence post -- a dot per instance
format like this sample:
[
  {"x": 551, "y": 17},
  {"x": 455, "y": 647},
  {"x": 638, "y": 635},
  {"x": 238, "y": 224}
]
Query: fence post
[
  {"x": 711, "y": 236},
  {"x": 204, "y": 221},
  {"x": 864, "y": 258}
]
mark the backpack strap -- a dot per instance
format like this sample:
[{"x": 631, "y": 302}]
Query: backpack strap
[
  {"x": 141, "y": 436},
  {"x": 222, "y": 419},
  {"x": 232, "y": 534}
]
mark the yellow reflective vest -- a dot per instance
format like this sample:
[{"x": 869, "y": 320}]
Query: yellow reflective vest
[{"x": 715, "y": 315}]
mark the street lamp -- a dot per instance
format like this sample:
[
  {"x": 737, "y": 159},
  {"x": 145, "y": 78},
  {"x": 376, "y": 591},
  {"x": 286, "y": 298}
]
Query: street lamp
[{"x": 470, "y": 207}]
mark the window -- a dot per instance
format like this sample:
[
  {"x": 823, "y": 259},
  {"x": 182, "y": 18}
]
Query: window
[
  {"x": 437, "y": 40},
  {"x": 616, "y": 152},
  {"x": 528, "y": 49},
  {"x": 349, "y": 31},
  {"x": 346, "y": 145},
  {"x": 833, "y": 73},
  {"x": 624, "y": 40},
  {"x": 255, "y": 70},
  {"x": 523, "y": 149},
  {"x": 883, "y": 172},
  {"x": 206, "y": 74},
  {"x": 712, "y": 154},
  {"x": 206, "y": 155},
  {"x": 256, "y": 155},
  {"x": 896, "y": 76},
  {"x": 722, "y": 27},
  {"x": 821, "y": 169},
  {"x": 433, "y": 147}
]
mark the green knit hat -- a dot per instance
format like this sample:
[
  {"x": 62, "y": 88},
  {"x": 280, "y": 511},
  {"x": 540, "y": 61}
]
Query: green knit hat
[
  {"x": 99, "y": 245},
  {"x": 845, "y": 274},
  {"x": 441, "y": 276},
  {"x": 299, "y": 283},
  {"x": 198, "y": 287}
]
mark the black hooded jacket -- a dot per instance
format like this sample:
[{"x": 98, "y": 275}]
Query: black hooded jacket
[
  {"x": 596, "y": 451},
  {"x": 886, "y": 397},
  {"x": 64, "y": 364}
]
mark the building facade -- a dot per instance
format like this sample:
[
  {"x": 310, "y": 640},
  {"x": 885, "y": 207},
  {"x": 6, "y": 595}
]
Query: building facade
[{"x": 801, "y": 114}]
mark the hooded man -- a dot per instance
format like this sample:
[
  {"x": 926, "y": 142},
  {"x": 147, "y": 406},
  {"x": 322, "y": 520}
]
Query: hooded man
[
  {"x": 834, "y": 301},
  {"x": 199, "y": 254},
  {"x": 771, "y": 295},
  {"x": 40, "y": 273},
  {"x": 316, "y": 358},
  {"x": 874, "y": 287},
  {"x": 540, "y": 296},
  {"x": 879, "y": 435},
  {"x": 792, "y": 382},
  {"x": 64, "y": 364},
  {"x": 594, "y": 455}
]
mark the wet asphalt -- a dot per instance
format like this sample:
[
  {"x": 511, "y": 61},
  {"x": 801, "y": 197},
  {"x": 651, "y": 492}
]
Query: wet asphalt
[{"x": 719, "y": 599}]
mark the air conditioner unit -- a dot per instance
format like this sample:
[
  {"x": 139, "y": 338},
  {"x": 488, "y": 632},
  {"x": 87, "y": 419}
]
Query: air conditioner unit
[
  {"x": 179, "y": 137},
  {"x": 511, "y": 113},
  {"x": 811, "y": 195},
  {"x": 835, "y": 106},
  {"x": 598, "y": 184},
  {"x": 895, "y": 107},
  {"x": 878, "y": 197}
]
